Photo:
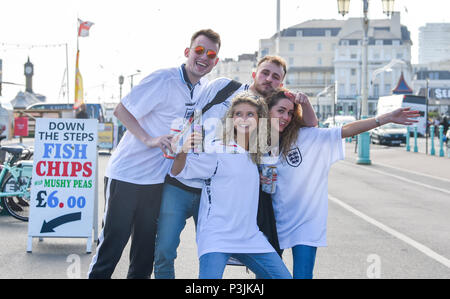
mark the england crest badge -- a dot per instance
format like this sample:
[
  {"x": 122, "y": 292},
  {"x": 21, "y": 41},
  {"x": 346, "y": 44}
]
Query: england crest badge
[{"x": 294, "y": 157}]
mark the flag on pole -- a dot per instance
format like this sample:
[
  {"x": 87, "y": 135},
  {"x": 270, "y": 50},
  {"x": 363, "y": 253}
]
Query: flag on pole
[
  {"x": 78, "y": 85},
  {"x": 83, "y": 29}
]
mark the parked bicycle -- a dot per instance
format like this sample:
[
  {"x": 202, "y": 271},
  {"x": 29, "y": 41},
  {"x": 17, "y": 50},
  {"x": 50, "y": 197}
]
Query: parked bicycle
[{"x": 15, "y": 181}]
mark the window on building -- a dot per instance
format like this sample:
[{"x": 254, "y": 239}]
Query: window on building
[
  {"x": 387, "y": 89},
  {"x": 264, "y": 52},
  {"x": 353, "y": 72},
  {"x": 299, "y": 33},
  {"x": 379, "y": 42},
  {"x": 353, "y": 89},
  {"x": 291, "y": 47},
  {"x": 319, "y": 47},
  {"x": 353, "y": 56},
  {"x": 399, "y": 55},
  {"x": 291, "y": 79},
  {"x": 341, "y": 89},
  {"x": 320, "y": 77},
  {"x": 319, "y": 61},
  {"x": 376, "y": 90},
  {"x": 291, "y": 61},
  {"x": 327, "y": 32}
]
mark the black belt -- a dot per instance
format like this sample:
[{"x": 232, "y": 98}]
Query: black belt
[{"x": 174, "y": 182}]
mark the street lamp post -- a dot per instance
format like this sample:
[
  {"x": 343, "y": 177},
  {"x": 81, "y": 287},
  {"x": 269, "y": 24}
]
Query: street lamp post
[
  {"x": 121, "y": 80},
  {"x": 364, "y": 138},
  {"x": 277, "y": 40},
  {"x": 325, "y": 91},
  {"x": 131, "y": 77}
]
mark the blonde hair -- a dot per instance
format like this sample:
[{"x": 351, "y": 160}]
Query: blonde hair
[{"x": 259, "y": 138}]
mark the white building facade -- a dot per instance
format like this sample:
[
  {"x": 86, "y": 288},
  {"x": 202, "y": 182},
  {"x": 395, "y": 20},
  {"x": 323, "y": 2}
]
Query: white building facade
[
  {"x": 389, "y": 43},
  {"x": 434, "y": 42},
  {"x": 239, "y": 70},
  {"x": 322, "y": 54}
]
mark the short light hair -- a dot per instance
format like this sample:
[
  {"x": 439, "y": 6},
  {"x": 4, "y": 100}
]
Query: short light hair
[
  {"x": 275, "y": 59},
  {"x": 209, "y": 33}
]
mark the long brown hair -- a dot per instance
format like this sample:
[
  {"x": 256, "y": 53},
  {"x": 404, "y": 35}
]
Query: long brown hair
[
  {"x": 290, "y": 134},
  {"x": 229, "y": 132}
]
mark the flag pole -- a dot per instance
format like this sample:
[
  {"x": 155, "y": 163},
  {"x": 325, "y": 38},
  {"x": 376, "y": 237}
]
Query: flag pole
[
  {"x": 76, "y": 63},
  {"x": 67, "y": 74}
]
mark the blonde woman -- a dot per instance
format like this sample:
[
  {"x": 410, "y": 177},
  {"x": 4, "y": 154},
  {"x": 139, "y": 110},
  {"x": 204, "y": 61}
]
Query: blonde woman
[{"x": 228, "y": 207}]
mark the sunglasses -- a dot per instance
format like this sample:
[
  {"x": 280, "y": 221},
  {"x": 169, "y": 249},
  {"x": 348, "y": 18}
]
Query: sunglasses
[{"x": 199, "y": 50}]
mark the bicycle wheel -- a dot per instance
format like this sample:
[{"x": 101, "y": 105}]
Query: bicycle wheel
[{"x": 17, "y": 206}]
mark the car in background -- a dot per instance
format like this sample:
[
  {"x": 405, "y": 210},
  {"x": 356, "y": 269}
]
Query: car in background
[
  {"x": 338, "y": 121},
  {"x": 389, "y": 134}
]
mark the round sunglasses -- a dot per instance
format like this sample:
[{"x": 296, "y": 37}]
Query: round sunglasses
[{"x": 200, "y": 50}]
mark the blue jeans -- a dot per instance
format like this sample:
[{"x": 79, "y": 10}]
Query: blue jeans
[
  {"x": 177, "y": 205},
  {"x": 304, "y": 257},
  {"x": 264, "y": 265}
]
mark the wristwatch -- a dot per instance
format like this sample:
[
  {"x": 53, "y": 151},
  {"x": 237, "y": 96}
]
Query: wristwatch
[{"x": 377, "y": 120}]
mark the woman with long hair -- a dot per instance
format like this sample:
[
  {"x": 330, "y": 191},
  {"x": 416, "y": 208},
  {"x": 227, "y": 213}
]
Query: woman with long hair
[
  {"x": 306, "y": 154},
  {"x": 227, "y": 224}
]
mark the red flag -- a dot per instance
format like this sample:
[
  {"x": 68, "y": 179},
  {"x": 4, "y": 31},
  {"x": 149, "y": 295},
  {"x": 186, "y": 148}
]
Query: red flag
[{"x": 83, "y": 29}]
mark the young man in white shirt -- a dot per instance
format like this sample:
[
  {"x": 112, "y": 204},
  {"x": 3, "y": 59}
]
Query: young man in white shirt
[
  {"x": 181, "y": 197},
  {"x": 137, "y": 168}
]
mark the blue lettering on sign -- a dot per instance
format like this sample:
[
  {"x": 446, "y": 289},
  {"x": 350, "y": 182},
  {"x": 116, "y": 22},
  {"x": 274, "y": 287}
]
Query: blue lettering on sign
[{"x": 65, "y": 151}]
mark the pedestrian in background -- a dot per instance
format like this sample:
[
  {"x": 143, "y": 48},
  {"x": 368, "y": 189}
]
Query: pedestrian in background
[{"x": 81, "y": 112}]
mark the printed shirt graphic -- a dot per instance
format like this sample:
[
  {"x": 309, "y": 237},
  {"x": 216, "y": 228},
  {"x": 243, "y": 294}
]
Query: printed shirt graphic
[{"x": 301, "y": 197}]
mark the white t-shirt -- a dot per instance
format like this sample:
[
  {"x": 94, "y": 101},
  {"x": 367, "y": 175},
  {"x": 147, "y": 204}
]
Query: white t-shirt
[
  {"x": 229, "y": 202},
  {"x": 301, "y": 198},
  {"x": 213, "y": 116},
  {"x": 156, "y": 102}
]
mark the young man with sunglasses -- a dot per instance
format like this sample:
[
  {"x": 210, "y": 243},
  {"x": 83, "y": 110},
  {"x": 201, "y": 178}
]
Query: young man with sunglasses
[
  {"x": 181, "y": 198},
  {"x": 136, "y": 170}
]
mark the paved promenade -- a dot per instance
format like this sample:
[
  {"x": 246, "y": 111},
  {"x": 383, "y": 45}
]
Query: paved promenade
[{"x": 387, "y": 220}]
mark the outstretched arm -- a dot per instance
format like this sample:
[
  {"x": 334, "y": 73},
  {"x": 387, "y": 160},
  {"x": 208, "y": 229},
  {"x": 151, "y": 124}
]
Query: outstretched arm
[
  {"x": 309, "y": 118},
  {"x": 401, "y": 116}
]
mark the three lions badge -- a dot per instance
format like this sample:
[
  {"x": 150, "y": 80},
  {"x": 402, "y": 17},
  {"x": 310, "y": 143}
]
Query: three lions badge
[{"x": 294, "y": 157}]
